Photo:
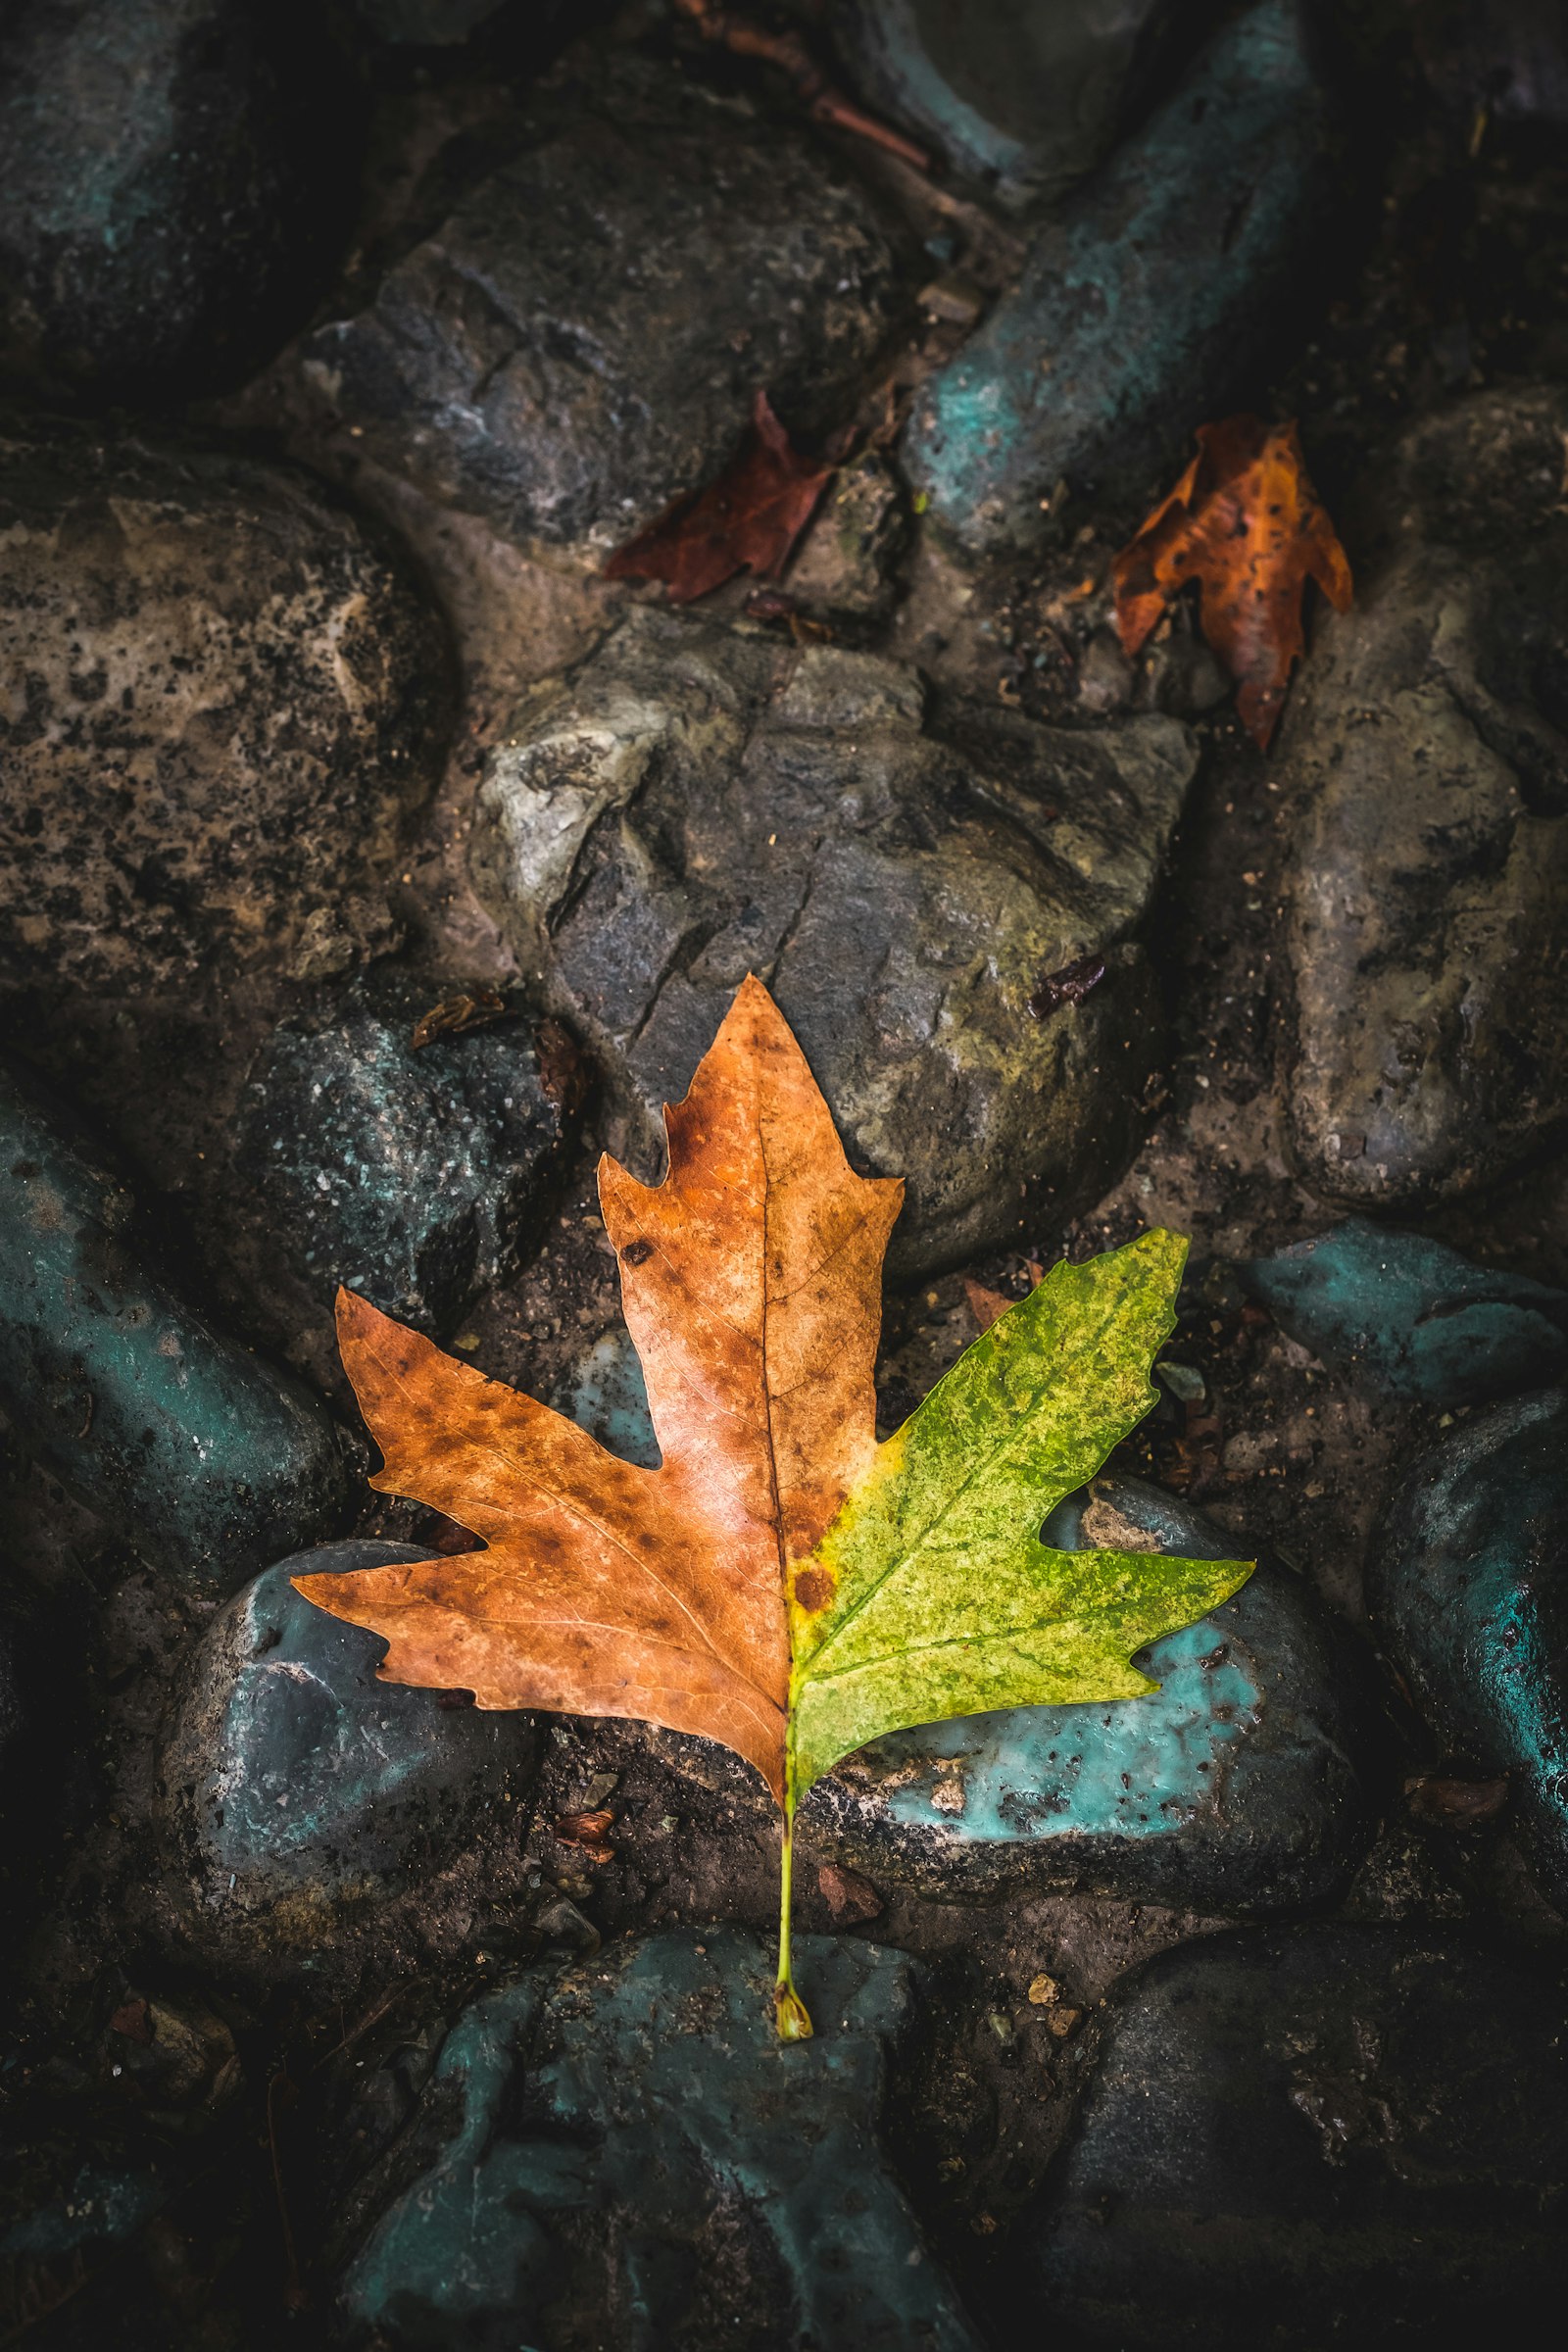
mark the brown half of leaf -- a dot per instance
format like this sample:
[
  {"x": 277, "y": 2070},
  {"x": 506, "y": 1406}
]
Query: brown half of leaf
[
  {"x": 751, "y": 1289},
  {"x": 747, "y": 521},
  {"x": 1246, "y": 523}
]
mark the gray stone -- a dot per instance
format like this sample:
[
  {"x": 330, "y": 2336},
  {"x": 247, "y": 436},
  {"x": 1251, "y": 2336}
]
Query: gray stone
[
  {"x": 165, "y": 189},
  {"x": 846, "y": 569},
  {"x": 578, "y": 337},
  {"x": 1428, "y": 755},
  {"x": 221, "y": 705},
  {"x": 1146, "y": 303},
  {"x": 1307, "y": 2137},
  {"x": 1237, "y": 1787},
  {"x": 1024, "y": 97},
  {"x": 698, "y": 802},
  {"x": 413, "y": 1177},
  {"x": 626, "y": 2154},
  {"x": 196, "y": 1451},
  {"x": 1413, "y": 1317},
  {"x": 308, "y": 1803},
  {"x": 1468, "y": 1582}
]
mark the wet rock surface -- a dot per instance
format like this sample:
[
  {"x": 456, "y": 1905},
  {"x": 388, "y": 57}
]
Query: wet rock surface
[
  {"x": 304, "y": 1796},
  {"x": 1413, "y": 1316},
  {"x": 699, "y": 801},
  {"x": 1023, "y": 101},
  {"x": 1315, "y": 2134},
  {"x": 199, "y": 1452},
  {"x": 233, "y": 702},
  {"x": 1240, "y": 1788},
  {"x": 734, "y": 2184},
  {"x": 412, "y": 1174},
  {"x": 1115, "y": 321},
  {"x": 1428, "y": 749},
  {"x": 1469, "y": 1588},
  {"x": 165, "y": 189},
  {"x": 220, "y": 2065},
  {"x": 573, "y": 336}
]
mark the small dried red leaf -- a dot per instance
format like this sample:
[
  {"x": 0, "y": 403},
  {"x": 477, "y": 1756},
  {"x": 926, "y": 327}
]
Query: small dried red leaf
[{"x": 747, "y": 521}]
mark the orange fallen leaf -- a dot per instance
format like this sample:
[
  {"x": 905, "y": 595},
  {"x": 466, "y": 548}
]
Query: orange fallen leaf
[
  {"x": 590, "y": 1832},
  {"x": 1246, "y": 523},
  {"x": 747, "y": 521},
  {"x": 780, "y": 1582}
]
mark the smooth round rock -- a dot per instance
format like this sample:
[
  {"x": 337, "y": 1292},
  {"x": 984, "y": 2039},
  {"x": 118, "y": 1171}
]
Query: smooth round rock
[
  {"x": 172, "y": 172},
  {"x": 698, "y": 802},
  {"x": 225, "y": 702},
  {"x": 1307, "y": 2137},
  {"x": 1468, "y": 1582},
  {"x": 1024, "y": 98},
  {"x": 1426, "y": 757},
  {"x": 415, "y": 1176},
  {"x": 630, "y": 2133},
  {"x": 303, "y": 1795},
  {"x": 1239, "y": 1786}
]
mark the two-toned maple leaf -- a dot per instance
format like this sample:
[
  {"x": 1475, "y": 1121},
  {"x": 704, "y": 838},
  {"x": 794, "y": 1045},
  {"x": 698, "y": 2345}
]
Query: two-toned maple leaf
[
  {"x": 747, "y": 519},
  {"x": 1247, "y": 525},
  {"x": 781, "y": 1583}
]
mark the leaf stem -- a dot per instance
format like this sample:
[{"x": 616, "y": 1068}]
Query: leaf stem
[{"x": 790, "y": 2012}]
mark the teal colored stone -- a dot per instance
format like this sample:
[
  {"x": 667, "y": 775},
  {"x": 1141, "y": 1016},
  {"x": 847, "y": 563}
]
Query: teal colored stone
[
  {"x": 1468, "y": 1582},
  {"x": 1238, "y": 1786},
  {"x": 1146, "y": 302},
  {"x": 605, "y": 1395},
  {"x": 198, "y": 1454},
  {"x": 99, "y": 2205},
  {"x": 1413, "y": 1317},
  {"x": 301, "y": 1790},
  {"x": 627, "y": 2150}
]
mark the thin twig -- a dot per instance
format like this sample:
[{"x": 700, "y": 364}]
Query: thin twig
[
  {"x": 823, "y": 102},
  {"x": 294, "y": 2294}
]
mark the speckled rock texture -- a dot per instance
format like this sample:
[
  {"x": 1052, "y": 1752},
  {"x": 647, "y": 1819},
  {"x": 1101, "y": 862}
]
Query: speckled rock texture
[
  {"x": 1022, "y": 99},
  {"x": 316, "y": 1814},
  {"x": 1412, "y": 1317},
  {"x": 1240, "y": 1787},
  {"x": 624, "y": 2151},
  {"x": 1469, "y": 1587},
  {"x": 201, "y": 1456},
  {"x": 1315, "y": 2135},
  {"x": 1427, "y": 751},
  {"x": 170, "y": 178},
  {"x": 698, "y": 802},
  {"x": 1147, "y": 302},
  {"x": 574, "y": 331},
  {"x": 413, "y": 1176},
  {"x": 221, "y": 704}
]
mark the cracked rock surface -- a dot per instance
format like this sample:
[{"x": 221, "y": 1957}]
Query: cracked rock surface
[
  {"x": 698, "y": 802},
  {"x": 572, "y": 335}
]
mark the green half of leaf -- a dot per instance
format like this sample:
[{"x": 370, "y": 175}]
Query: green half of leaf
[{"x": 932, "y": 1595}]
